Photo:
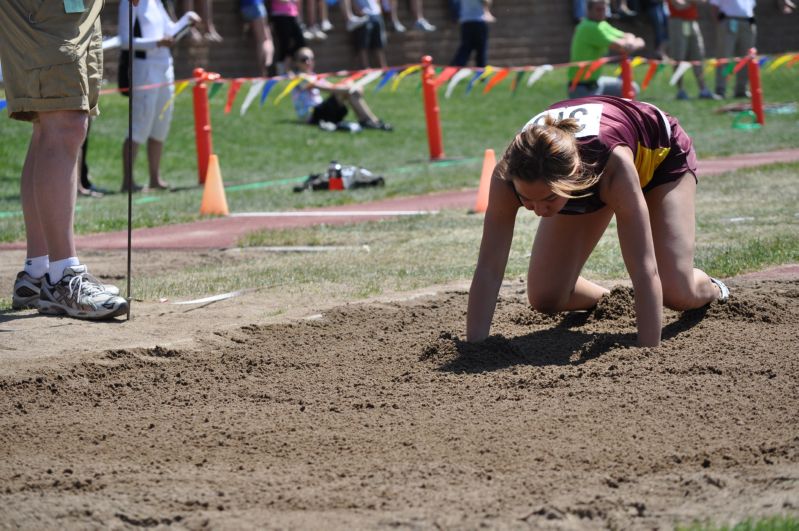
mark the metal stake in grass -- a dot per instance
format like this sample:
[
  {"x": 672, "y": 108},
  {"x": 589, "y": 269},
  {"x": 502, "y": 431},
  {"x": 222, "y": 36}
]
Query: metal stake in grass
[{"x": 130, "y": 147}]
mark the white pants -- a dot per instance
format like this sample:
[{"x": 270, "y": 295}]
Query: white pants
[{"x": 148, "y": 122}]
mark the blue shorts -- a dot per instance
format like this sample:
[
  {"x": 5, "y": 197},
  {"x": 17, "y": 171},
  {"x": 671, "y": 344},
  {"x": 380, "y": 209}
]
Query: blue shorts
[{"x": 253, "y": 11}]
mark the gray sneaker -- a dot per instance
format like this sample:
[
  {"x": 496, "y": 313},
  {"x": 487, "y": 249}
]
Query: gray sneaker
[
  {"x": 78, "y": 294},
  {"x": 26, "y": 292}
]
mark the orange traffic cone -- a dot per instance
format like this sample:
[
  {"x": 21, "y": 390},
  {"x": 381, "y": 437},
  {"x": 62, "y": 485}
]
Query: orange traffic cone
[
  {"x": 214, "y": 202},
  {"x": 489, "y": 161}
]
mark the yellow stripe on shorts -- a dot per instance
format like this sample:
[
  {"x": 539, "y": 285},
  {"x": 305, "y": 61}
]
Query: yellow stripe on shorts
[{"x": 647, "y": 161}]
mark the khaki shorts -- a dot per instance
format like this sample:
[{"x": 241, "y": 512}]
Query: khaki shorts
[
  {"x": 685, "y": 40},
  {"x": 52, "y": 60}
]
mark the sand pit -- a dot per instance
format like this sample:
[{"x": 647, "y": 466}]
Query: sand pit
[{"x": 378, "y": 415}]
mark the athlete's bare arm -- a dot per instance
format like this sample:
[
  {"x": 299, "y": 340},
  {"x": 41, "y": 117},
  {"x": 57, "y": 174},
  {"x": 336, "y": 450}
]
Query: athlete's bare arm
[
  {"x": 494, "y": 250},
  {"x": 621, "y": 190}
]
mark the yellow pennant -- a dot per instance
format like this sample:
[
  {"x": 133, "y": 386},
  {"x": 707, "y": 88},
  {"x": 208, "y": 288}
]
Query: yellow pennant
[
  {"x": 408, "y": 71},
  {"x": 180, "y": 87},
  {"x": 293, "y": 83},
  {"x": 779, "y": 62},
  {"x": 487, "y": 72}
]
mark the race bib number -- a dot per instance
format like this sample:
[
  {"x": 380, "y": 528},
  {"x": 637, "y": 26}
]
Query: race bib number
[{"x": 587, "y": 116}]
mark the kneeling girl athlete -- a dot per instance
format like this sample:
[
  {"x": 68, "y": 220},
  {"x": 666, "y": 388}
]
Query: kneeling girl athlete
[{"x": 576, "y": 165}]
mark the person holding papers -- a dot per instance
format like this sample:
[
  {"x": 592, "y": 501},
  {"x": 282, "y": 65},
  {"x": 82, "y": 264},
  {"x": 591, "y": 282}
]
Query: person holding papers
[{"x": 154, "y": 33}]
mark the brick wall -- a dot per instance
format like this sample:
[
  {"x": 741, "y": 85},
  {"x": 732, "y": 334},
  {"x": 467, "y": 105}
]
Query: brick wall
[{"x": 527, "y": 32}]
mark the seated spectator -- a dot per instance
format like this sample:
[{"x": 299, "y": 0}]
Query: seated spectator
[
  {"x": 311, "y": 108},
  {"x": 209, "y": 32},
  {"x": 421, "y": 23},
  {"x": 593, "y": 38},
  {"x": 288, "y": 33},
  {"x": 686, "y": 43},
  {"x": 254, "y": 14},
  {"x": 370, "y": 34}
]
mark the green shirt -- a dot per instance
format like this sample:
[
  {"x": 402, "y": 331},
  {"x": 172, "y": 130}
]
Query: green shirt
[{"x": 590, "y": 42}]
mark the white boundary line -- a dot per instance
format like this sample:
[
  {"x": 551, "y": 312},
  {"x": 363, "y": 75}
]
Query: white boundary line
[{"x": 332, "y": 213}]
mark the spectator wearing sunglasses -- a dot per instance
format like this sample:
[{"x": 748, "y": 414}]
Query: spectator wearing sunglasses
[{"x": 329, "y": 113}]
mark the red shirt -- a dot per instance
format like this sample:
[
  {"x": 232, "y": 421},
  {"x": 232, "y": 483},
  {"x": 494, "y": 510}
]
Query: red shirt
[{"x": 689, "y": 13}]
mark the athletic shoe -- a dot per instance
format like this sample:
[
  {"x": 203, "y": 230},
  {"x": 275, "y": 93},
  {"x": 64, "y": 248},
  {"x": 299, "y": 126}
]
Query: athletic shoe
[
  {"x": 326, "y": 25},
  {"x": 356, "y": 22},
  {"x": 78, "y": 294},
  {"x": 723, "y": 289},
  {"x": 26, "y": 292},
  {"x": 27, "y": 288},
  {"x": 398, "y": 27},
  {"x": 318, "y": 33},
  {"x": 682, "y": 95},
  {"x": 707, "y": 95},
  {"x": 423, "y": 25},
  {"x": 379, "y": 125}
]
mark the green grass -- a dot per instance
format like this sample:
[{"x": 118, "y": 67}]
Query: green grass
[
  {"x": 266, "y": 146},
  {"x": 745, "y": 220},
  {"x": 774, "y": 523}
]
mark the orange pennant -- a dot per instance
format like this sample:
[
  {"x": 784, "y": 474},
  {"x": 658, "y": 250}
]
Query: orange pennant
[
  {"x": 496, "y": 80},
  {"x": 653, "y": 67}
]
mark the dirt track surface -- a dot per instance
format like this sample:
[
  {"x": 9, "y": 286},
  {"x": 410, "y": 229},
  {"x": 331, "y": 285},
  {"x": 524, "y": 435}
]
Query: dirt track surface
[{"x": 377, "y": 415}]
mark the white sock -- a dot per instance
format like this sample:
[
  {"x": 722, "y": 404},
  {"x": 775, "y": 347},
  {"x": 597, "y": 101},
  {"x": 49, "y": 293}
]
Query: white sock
[
  {"x": 57, "y": 268},
  {"x": 37, "y": 266}
]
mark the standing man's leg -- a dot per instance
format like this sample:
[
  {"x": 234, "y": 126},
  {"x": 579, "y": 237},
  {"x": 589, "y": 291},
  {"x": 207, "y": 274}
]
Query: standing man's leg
[
  {"x": 55, "y": 157},
  {"x": 746, "y": 40}
]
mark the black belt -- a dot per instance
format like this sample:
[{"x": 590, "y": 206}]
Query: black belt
[{"x": 140, "y": 54}]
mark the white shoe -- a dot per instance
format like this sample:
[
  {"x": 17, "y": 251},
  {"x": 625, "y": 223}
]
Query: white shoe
[
  {"x": 78, "y": 294},
  {"x": 398, "y": 27},
  {"x": 356, "y": 22},
  {"x": 423, "y": 25},
  {"x": 326, "y": 25},
  {"x": 318, "y": 33},
  {"x": 724, "y": 291}
]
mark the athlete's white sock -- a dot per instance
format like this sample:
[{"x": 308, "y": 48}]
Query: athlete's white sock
[
  {"x": 57, "y": 268},
  {"x": 37, "y": 266}
]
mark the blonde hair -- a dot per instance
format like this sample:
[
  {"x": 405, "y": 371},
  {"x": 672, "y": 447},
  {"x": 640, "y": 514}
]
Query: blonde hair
[{"x": 548, "y": 152}]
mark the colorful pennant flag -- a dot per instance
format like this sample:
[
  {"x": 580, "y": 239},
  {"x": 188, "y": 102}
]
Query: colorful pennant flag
[
  {"x": 215, "y": 87},
  {"x": 472, "y": 81},
  {"x": 267, "y": 88},
  {"x": 445, "y": 76},
  {"x": 538, "y": 73},
  {"x": 462, "y": 74},
  {"x": 779, "y": 62},
  {"x": 255, "y": 89},
  {"x": 680, "y": 71},
  {"x": 386, "y": 78},
  {"x": 293, "y": 83},
  {"x": 402, "y": 75},
  {"x": 650, "y": 73},
  {"x": 178, "y": 89},
  {"x": 235, "y": 85},
  {"x": 496, "y": 80},
  {"x": 368, "y": 78}
]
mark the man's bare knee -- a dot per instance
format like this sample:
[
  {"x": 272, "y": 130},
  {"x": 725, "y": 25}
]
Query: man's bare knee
[{"x": 63, "y": 128}]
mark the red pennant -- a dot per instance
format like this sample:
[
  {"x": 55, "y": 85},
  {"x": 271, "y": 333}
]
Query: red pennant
[
  {"x": 445, "y": 75},
  {"x": 235, "y": 85}
]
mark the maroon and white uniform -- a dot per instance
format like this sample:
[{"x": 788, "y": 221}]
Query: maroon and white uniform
[{"x": 662, "y": 151}]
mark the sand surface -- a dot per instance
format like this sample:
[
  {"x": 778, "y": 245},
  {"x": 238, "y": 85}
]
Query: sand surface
[{"x": 378, "y": 415}]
